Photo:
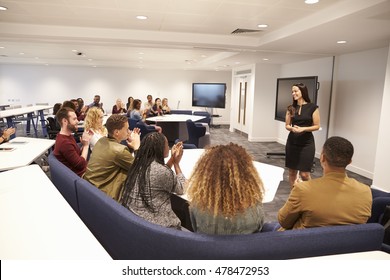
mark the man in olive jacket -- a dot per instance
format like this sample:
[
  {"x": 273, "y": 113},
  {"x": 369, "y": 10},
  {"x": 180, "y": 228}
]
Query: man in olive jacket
[{"x": 110, "y": 160}]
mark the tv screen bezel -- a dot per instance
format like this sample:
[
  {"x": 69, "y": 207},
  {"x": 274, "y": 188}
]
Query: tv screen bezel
[
  {"x": 313, "y": 93},
  {"x": 208, "y": 105}
]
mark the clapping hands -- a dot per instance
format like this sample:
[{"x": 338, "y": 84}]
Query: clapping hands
[
  {"x": 86, "y": 137},
  {"x": 134, "y": 139},
  {"x": 177, "y": 152},
  {"x": 8, "y": 132}
]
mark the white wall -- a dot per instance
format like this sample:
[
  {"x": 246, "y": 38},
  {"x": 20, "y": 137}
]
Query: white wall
[
  {"x": 381, "y": 171},
  {"x": 23, "y": 84},
  {"x": 264, "y": 127},
  {"x": 356, "y": 112}
]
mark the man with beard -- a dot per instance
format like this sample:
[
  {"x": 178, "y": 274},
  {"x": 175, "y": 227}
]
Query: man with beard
[{"x": 66, "y": 149}]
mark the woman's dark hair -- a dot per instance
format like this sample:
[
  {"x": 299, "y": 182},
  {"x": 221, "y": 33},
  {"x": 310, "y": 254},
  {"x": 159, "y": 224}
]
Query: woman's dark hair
[
  {"x": 151, "y": 149},
  {"x": 69, "y": 104},
  {"x": 56, "y": 107},
  {"x": 136, "y": 104},
  {"x": 305, "y": 95}
]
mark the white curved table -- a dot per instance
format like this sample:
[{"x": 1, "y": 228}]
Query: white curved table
[{"x": 269, "y": 174}]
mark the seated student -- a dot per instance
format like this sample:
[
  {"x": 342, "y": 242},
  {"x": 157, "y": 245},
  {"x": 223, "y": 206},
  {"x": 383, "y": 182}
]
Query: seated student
[
  {"x": 148, "y": 106},
  {"x": 6, "y": 134},
  {"x": 119, "y": 107},
  {"x": 66, "y": 149},
  {"x": 333, "y": 199},
  {"x": 69, "y": 104},
  {"x": 136, "y": 114},
  {"x": 165, "y": 107},
  {"x": 94, "y": 125},
  {"x": 156, "y": 109},
  {"x": 56, "y": 107},
  {"x": 110, "y": 160},
  {"x": 96, "y": 103},
  {"x": 226, "y": 192},
  {"x": 129, "y": 104},
  {"x": 150, "y": 182},
  {"x": 81, "y": 109}
]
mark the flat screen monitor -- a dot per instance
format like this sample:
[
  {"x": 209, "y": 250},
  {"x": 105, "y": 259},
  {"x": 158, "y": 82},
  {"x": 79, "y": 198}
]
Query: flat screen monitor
[
  {"x": 284, "y": 97},
  {"x": 211, "y": 95}
]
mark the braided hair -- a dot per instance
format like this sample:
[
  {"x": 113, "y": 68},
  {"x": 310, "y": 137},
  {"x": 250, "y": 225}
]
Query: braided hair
[{"x": 151, "y": 149}]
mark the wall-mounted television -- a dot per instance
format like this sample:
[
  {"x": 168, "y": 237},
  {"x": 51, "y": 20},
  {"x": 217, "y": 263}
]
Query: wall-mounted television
[
  {"x": 284, "y": 97},
  {"x": 210, "y": 95}
]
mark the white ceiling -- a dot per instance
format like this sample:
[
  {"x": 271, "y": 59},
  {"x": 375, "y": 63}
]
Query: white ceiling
[{"x": 187, "y": 34}]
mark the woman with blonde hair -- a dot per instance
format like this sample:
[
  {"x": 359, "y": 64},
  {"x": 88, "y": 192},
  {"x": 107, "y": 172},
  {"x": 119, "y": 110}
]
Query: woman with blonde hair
[
  {"x": 226, "y": 192},
  {"x": 93, "y": 123},
  {"x": 165, "y": 107}
]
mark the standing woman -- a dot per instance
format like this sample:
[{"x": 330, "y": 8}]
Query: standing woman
[{"x": 302, "y": 117}]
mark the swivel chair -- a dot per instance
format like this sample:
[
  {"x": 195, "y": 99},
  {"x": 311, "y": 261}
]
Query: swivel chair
[
  {"x": 197, "y": 134},
  {"x": 207, "y": 116},
  {"x": 145, "y": 129}
]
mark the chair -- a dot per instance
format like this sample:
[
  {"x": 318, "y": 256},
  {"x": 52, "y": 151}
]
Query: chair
[
  {"x": 132, "y": 123},
  {"x": 186, "y": 145},
  {"x": 197, "y": 134},
  {"x": 207, "y": 116},
  {"x": 380, "y": 200},
  {"x": 145, "y": 129},
  {"x": 52, "y": 127},
  {"x": 181, "y": 112},
  {"x": 126, "y": 236}
]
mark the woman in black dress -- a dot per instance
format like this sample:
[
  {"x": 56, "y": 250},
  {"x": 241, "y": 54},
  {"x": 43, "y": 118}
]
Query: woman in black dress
[{"x": 302, "y": 117}]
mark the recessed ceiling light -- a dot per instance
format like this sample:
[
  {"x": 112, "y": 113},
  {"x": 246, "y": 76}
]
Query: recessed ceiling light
[
  {"x": 311, "y": 1},
  {"x": 341, "y": 42},
  {"x": 2, "y": 8},
  {"x": 90, "y": 59},
  {"x": 141, "y": 53},
  {"x": 2, "y": 47},
  {"x": 141, "y": 17},
  {"x": 74, "y": 50},
  {"x": 262, "y": 25},
  {"x": 21, "y": 53},
  {"x": 265, "y": 59}
]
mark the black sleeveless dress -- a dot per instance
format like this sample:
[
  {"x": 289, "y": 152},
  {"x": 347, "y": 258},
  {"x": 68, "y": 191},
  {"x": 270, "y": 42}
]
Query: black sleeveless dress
[{"x": 300, "y": 147}]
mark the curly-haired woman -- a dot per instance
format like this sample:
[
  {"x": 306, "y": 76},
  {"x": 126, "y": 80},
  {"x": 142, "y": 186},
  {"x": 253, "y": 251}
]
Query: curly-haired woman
[
  {"x": 94, "y": 123},
  {"x": 226, "y": 192}
]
